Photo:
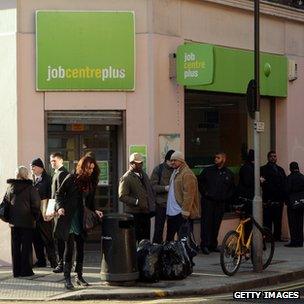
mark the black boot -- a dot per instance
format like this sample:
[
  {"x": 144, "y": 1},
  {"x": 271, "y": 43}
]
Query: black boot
[
  {"x": 79, "y": 280},
  {"x": 68, "y": 283},
  {"x": 53, "y": 261},
  {"x": 67, "y": 276}
]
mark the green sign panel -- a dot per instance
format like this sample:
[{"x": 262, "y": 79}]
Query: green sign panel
[
  {"x": 104, "y": 172},
  {"x": 234, "y": 68},
  {"x": 195, "y": 64},
  {"x": 88, "y": 51},
  {"x": 142, "y": 149}
]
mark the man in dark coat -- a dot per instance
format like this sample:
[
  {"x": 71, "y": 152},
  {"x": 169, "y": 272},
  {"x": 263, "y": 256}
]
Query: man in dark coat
[
  {"x": 295, "y": 191},
  {"x": 216, "y": 185},
  {"x": 273, "y": 179},
  {"x": 56, "y": 160},
  {"x": 160, "y": 180},
  {"x": 136, "y": 192},
  {"x": 43, "y": 236},
  {"x": 246, "y": 182},
  {"x": 246, "y": 188}
]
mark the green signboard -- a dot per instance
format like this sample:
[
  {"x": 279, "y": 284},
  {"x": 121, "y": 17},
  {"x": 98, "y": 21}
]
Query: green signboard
[
  {"x": 234, "y": 68},
  {"x": 195, "y": 64},
  {"x": 104, "y": 172},
  {"x": 88, "y": 51},
  {"x": 142, "y": 149}
]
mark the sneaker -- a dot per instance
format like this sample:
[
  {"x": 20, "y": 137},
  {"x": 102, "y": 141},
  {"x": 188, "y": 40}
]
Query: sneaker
[{"x": 58, "y": 269}]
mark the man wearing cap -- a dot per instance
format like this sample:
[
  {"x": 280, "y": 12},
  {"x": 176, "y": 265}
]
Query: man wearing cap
[
  {"x": 136, "y": 192},
  {"x": 160, "y": 182},
  {"x": 183, "y": 196},
  {"x": 43, "y": 235}
]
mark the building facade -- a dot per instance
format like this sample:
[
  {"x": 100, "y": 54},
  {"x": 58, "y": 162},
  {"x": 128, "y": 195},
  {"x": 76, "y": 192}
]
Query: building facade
[{"x": 157, "y": 111}]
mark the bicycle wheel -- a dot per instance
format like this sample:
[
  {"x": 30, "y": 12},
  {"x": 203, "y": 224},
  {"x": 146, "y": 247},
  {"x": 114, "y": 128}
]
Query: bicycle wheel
[
  {"x": 268, "y": 247},
  {"x": 230, "y": 260}
]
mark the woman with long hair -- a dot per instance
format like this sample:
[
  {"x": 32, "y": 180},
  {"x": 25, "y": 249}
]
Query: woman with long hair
[
  {"x": 24, "y": 211},
  {"x": 76, "y": 191}
]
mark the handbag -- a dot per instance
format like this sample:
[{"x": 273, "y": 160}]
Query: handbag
[
  {"x": 90, "y": 219},
  {"x": 298, "y": 205},
  {"x": 296, "y": 201},
  {"x": 4, "y": 209}
]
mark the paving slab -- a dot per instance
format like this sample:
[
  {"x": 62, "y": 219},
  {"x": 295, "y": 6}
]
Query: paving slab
[{"x": 207, "y": 279}]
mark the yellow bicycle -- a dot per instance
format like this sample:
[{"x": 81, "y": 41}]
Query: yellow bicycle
[{"x": 235, "y": 247}]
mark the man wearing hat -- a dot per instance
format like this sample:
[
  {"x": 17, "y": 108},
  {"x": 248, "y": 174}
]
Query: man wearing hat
[
  {"x": 160, "y": 182},
  {"x": 43, "y": 235},
  {"x": 183, "y": 195},
  {"x": 136, "y": 192}
]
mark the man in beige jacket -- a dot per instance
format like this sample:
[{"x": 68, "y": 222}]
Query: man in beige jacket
[{"x": 183, "y": 196}]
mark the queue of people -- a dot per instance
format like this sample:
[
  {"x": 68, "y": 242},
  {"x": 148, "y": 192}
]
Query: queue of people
[
  {"x": 28, "y": 199},
  {"x": 173, "y": 194}
]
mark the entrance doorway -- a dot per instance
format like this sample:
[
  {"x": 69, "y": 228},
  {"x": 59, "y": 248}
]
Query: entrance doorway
[{"x": 75, "y": 140}]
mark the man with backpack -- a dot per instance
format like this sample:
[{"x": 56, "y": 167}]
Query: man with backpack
[{"x": 160, "y": 180}]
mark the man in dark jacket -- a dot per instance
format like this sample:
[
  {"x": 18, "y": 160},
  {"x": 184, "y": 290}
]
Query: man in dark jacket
[
  {"x": 273, "y": 179},
  {"x": 160, "y": 180},
  {"x": 43, "y": 236},
  {"x": 136, "y": 192},
  {"x": 246, "y": 182},
  {"x": 216, "y": 185},
  {"x": 245, "y": 189},
  {"x": 295, "y": 191},
  {"x": 56, "y": 160}
]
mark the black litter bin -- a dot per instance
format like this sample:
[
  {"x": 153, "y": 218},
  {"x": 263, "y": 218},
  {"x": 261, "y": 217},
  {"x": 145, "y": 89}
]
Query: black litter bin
[{"x": 118, "y": 248}]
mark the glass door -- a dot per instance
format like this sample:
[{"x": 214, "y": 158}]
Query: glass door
[{"x": 75, "y": 141}]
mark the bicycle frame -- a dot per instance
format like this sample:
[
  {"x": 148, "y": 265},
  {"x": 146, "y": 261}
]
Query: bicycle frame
[{"x": 241, "y": 239}]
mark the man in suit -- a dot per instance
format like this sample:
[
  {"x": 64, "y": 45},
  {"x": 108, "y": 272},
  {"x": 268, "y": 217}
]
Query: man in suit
[{"x": 56, "y": 160}]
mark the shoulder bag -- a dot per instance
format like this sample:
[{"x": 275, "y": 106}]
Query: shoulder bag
[
  {"x": 296, "y": 200},
  {"x": 90, "y": 218},
  {"x": 4, "y": 209}
]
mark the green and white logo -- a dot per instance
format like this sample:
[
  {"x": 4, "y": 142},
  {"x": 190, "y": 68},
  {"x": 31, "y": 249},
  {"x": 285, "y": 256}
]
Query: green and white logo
[
  {"x": 194, "y": 64},
  {"x": 85, "y": 51}
]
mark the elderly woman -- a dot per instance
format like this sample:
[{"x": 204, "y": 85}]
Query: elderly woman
[
  {"x": 23, "y": 213},
  {"x": 76, "y": 191}
]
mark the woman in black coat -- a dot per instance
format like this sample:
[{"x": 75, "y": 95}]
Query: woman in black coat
[
  {"x": 77, "y": 190},
  {"x": 295, "y": 191},
  {"x": 23, "y": 213}
]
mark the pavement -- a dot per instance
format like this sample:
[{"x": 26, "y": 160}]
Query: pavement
[{"x": 207, "y": 279}]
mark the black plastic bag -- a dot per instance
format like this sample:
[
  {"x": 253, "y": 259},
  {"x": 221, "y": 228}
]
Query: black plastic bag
[
  {"x": 148, "y": 261},
  {"x": 187, "y": 238},
  {"x": 174, "y": 261}
]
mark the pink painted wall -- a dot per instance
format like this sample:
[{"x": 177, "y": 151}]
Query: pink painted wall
[{"x": 157, "y": 105}]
